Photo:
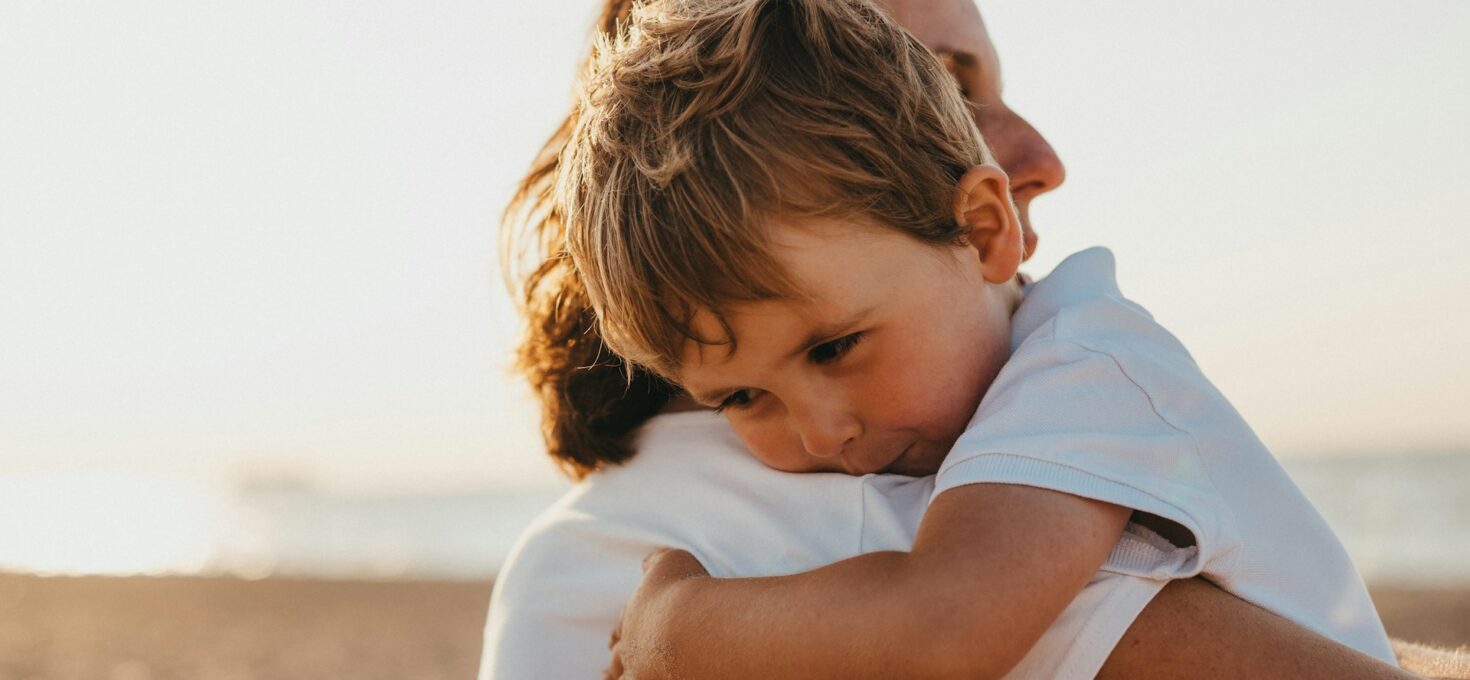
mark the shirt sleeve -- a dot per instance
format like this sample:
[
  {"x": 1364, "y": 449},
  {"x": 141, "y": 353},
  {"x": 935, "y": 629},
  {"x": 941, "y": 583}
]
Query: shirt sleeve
[{"x": 1067, "y": 418}]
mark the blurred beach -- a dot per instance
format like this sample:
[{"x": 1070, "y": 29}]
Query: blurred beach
[
  {"x": 148, "y": 628},
  {"x": 1404, "y": 518},
  {"x": 273, "y": 578},
  {"x": 154, "y": 628}
]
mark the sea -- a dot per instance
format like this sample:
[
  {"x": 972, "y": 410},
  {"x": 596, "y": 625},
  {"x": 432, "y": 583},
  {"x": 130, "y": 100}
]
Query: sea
[{"x": 1404, "y": 518}]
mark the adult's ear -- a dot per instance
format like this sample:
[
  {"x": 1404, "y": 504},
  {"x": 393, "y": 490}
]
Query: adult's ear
[{"x": 982, "y": 204}]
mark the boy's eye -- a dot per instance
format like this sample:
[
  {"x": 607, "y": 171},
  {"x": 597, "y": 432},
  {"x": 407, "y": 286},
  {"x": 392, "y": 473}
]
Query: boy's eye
[
  {"x": 834, "y": 349},
  {"x": 736, "y": 401}
]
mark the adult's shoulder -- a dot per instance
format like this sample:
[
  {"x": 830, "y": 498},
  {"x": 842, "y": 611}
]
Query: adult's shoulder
[
  {"x": 691, "y": 485},
  {"x": 561, "y": 588}
]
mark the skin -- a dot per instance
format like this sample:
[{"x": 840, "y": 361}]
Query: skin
[{"x": 674, "y": 609}]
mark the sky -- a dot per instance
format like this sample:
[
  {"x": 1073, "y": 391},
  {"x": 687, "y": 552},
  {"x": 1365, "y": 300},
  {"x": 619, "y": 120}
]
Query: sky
[{"x": 259, "y": 238}]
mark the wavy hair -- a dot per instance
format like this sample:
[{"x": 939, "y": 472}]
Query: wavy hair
[
  {"x": 592, "y": 403},
  {"x": 590, "y": 408}
]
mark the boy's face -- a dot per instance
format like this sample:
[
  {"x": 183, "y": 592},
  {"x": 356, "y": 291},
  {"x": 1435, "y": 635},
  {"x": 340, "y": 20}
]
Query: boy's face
[{"x": 880, "y": 371}]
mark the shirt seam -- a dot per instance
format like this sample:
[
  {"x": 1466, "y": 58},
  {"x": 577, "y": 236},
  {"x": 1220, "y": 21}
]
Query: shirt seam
[{"x": 1235, "y": 559}]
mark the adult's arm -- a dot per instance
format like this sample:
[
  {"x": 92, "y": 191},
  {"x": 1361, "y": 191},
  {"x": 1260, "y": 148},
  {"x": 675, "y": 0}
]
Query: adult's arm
[{"x": 1194, "y": 630}]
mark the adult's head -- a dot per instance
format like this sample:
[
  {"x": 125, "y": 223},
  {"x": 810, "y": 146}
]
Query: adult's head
[
  {"x": 589, "y": 406},
  {"x": 955, "y": 31}
]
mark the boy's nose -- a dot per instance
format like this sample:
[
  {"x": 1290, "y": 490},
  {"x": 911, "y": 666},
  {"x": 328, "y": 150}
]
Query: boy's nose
[{"x": 826, "y": 432}]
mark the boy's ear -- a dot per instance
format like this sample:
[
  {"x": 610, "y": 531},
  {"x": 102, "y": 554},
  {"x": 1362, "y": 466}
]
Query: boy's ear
[{"x": 983, "y": 205}]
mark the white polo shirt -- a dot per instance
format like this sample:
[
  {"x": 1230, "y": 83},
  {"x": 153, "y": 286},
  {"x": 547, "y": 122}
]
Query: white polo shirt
[{"x": 1098, "y": 400}]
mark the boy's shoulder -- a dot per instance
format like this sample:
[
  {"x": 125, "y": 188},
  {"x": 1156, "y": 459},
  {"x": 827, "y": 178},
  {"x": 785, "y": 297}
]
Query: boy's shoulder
[{"x": 1080, "y": 304}]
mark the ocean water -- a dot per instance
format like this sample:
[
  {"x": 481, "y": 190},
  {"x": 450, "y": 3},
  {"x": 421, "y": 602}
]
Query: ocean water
[{"x": 1404, "y": 518}]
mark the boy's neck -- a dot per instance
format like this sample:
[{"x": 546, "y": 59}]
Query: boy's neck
[{"x": 1015, "y": 292}]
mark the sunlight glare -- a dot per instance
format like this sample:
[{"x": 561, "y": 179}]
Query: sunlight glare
[{"x": 103, "y": 523}]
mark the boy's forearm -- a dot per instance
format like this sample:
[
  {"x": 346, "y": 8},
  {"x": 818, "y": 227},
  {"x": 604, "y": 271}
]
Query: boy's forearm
[
  {"x": 992, "y": 568},
  {"x": 859, "y": 618}
]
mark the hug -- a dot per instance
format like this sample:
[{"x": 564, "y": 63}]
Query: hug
[{"x": 825, "y": 425}]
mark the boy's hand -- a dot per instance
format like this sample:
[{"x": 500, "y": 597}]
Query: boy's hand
[{"x": 636, "y": 648}]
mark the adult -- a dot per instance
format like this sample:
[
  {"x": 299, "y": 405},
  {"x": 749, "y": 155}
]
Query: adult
[{"x": 692, "y": 486}]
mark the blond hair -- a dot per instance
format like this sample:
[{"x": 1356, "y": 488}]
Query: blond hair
[{"x": 700, "y": 121}]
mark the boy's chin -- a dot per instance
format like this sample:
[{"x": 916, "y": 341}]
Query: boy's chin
[{"x": 918, "y": 460}]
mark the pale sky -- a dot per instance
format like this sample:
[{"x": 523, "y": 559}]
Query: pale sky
[{"x": 261, "y": 236}]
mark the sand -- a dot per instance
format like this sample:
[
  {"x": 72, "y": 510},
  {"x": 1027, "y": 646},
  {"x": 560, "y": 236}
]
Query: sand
[
  {"x": 228, "y": 629},
  {"x": 97, "y": 628}
]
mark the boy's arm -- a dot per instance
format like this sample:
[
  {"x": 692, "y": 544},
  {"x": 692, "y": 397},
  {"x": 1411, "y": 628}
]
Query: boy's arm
[{"x": 992, "y": 567}]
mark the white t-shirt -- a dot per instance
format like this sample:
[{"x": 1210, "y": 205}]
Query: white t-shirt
[
  {"x": 694, "y": 486},
  {"x": 1098, "y": 400}
]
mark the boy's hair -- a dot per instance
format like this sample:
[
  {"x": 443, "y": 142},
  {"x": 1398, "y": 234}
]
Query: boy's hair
[{"x": 702, "y": 120}]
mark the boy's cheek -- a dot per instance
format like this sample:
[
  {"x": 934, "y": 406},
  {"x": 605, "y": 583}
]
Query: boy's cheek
[{"x": 928, "y": 399}]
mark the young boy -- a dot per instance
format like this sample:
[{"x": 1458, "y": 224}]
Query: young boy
[{"x": 784, "y": 207}]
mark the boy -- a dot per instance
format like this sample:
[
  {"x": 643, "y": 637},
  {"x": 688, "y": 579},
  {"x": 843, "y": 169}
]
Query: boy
[{"x": 771, "y": 206}]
